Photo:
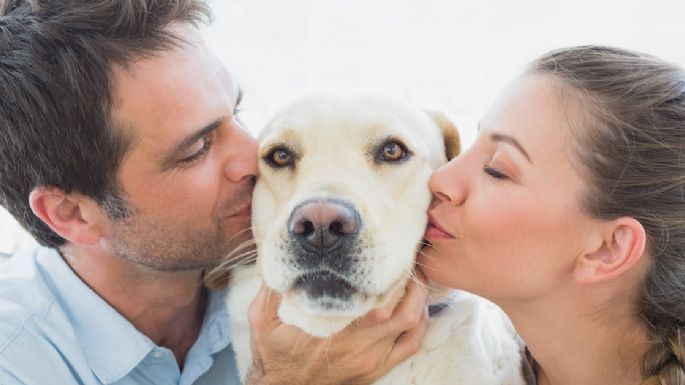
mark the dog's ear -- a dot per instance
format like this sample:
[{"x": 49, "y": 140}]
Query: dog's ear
[{"x": 450, "y": 135}]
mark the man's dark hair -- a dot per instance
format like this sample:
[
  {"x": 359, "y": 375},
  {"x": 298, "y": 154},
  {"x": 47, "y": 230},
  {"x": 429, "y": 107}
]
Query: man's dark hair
[{"x": 56, "y": 62}]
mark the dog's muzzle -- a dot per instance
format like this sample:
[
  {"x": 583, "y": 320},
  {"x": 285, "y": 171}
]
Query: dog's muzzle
[{"x": 323, "y": 234}]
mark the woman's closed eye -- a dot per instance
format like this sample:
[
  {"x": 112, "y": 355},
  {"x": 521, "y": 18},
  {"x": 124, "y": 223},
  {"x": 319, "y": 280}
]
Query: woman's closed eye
[{"x": 495, "y": 173}]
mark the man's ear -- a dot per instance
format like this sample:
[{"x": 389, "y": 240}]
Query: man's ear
[
  {"x": 450, "y": 135},
  {"x": 621, "y": 247},
  {"x": 72, "y": 216}
]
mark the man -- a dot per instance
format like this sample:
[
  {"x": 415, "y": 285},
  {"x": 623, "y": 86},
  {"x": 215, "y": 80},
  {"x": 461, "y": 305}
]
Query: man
[{"x": 122, "y": 153}]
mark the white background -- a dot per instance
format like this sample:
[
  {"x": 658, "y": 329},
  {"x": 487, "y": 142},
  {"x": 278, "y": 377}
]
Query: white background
[{"x": 441, "y": 54}]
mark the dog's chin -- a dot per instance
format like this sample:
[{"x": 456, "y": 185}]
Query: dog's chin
[{"x": 323, "y": 316}]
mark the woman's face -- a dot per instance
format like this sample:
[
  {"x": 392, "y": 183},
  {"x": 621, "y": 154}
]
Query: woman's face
[{"x": 506, "y": 221}]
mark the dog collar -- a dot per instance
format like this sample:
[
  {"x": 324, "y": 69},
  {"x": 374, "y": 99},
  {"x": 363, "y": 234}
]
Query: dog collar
[{"x": 435, "y": 309}]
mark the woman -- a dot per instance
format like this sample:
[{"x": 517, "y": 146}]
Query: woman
[{"x": 569, "y": 212}]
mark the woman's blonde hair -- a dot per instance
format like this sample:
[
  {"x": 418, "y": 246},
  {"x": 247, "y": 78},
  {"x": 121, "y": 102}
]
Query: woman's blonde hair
[{"x": 633, "y": 151}]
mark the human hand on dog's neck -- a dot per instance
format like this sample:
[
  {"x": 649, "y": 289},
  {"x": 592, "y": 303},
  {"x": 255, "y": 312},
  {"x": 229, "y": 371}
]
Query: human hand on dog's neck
[{"x": 167, "y": 307}]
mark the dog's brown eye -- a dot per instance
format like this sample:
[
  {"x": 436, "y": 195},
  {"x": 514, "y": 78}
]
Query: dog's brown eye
[
  {"x": 392, "y": 152},
  {"x": 281, "y": 157}
]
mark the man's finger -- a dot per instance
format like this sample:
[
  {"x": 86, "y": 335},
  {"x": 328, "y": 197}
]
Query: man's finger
[
  {"x": 383, "y": 313},
  {"x": 410, "y": 309},
  {"x": 408, "y": 343},
  {"x": 420, "y": 275},
  {"x": 264, "y": 307}
]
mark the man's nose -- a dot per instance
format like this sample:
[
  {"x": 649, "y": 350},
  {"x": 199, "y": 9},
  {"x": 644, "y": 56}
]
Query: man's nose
[{"x": 242, "y": 161}]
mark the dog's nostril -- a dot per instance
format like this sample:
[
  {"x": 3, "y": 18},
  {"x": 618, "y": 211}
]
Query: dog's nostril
[
  {"x": 336, "y": 227},
  {"x": 303, "y": 227},
  {"x": 308, "y": 229}
]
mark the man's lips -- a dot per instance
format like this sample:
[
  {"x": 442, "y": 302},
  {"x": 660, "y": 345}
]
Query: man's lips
[
  {"x": 240, "y": 206},
  {"x": 434, "y": 231}
]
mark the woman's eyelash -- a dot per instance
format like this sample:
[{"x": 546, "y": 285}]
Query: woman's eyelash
[
  {"x": 200, "y": 153},
  {"x": 494, "y": 173}
]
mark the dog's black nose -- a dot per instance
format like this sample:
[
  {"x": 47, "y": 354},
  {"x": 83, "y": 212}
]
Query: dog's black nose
[{"x": 321, "y": 226}]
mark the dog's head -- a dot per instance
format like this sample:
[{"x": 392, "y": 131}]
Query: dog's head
[{"x": 340, "y": 204}]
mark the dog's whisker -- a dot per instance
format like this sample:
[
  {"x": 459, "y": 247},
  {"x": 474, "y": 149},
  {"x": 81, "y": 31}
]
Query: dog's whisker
[
  {"x": 244, "y": 258},
  {"x": 415, "y": 279},
  {"x": 268, "y": 295},
  {"x": 229, "y": 263},
  {"x": 294, "y": 351},
  {"x": 309, "y": 338},
  {"x": 420, "y": 264},
  {"x": 237, "y": 256},
  {"x": 421, "y": 251},
  {"x": 241, "y": 232},
  {"x": 356, "y": 322},
  {"x": 411, "y": 275},
  {"x": 239, "y": 250},
  {"x": 247, "y": 243},
  {"x": 427, "y": 244},
  {"x": 424, "y": 254},
  {"x": 306, "y": 342},
  {"x": 329, "y": 342}
]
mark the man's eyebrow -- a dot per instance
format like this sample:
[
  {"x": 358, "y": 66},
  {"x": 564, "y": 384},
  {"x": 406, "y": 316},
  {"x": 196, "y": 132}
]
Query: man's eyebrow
[
  {"x": 496, "y": 137},
  {"x": 188, "y": 142}
]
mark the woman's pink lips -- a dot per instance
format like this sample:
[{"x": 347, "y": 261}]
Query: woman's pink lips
[{"x": 434, "y": 231}]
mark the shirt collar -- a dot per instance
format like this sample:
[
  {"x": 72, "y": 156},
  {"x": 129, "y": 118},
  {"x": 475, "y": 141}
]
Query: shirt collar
[
  {"x": 112, "y": 346},
  {"x": 215, "y": 326},
  {"x": 214, "y": 337}
]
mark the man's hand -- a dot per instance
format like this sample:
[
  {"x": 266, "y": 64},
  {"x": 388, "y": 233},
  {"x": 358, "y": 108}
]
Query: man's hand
[{"x": 360, "y": 354}]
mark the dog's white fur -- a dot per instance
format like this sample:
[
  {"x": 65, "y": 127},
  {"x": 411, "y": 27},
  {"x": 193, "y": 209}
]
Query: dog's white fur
[{"x": 335, "y": 141}]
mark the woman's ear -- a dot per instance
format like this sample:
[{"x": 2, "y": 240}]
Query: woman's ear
[
  {"x": 620, "y": 248},
  {"x": 450, "y": 135},
  {"x": 72, "y": 216}
]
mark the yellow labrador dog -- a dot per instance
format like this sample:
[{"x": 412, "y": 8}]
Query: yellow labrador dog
[{"x": 338, "y": 213}]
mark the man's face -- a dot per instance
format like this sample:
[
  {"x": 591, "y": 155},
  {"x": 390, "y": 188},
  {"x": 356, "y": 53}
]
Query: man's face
[{"x": 190, "y": 171}]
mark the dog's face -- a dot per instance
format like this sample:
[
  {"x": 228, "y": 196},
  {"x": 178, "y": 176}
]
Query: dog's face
[{"x": 340, "y": 204}]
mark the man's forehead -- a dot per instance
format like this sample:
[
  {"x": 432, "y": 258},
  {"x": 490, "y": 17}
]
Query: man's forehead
[
  {"x": 168, "y": 65},
  {"x": 185, "y": 86}
]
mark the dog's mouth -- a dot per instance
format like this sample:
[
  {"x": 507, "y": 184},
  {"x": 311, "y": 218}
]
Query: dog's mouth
[{"x": 321, "y": 286}]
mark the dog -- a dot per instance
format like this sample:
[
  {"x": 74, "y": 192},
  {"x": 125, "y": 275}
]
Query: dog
[{"x": 339, "y": 211}]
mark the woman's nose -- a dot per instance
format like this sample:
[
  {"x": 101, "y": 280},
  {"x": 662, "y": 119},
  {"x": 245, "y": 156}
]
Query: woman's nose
[{"x": 448, "y": 184}]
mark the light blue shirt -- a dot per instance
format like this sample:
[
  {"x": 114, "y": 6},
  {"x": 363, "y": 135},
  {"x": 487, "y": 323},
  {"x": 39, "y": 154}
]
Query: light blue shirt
[{"x": 54, "y": 330}]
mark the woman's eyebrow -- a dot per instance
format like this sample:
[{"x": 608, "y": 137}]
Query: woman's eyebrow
[{"x": 497, "y": 137}]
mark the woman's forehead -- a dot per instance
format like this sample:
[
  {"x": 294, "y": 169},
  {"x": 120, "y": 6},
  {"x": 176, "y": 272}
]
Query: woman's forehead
[{"x": 531, "y": 105}]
